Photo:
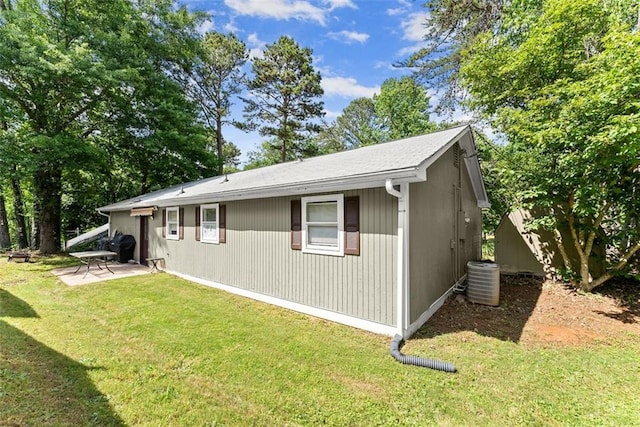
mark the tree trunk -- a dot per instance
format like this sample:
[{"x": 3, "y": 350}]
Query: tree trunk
[
  {"x": 47, "y": 185},
  {"x": 5, "y": 5},
  {"x": 35, "y": 225},
  {"x": 219, "y": 144},
  {"x": 5, "y": 238},
  {"x": 18, "y": 213}
]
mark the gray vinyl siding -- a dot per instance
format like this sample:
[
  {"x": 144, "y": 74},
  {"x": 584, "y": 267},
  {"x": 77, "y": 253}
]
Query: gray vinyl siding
[
  {"x": 258, "y": 256},
  {"x": 124, "y": 223},
  {"x": 434, "y": 266}
]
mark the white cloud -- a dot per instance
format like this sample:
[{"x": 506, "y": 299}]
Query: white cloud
[
  {"x": 279, "y": 9},
  {"x": 206, "y": 26},
  {"x": 415, "y": 27},
  {"x": 389, "y": 66},
  {"x": 230, "y": 27},
  {"x": 331, "y": 114},
  {"x": 409, "y": 50},
  {"x": 256, "y": 46},
  {"x": 403, "y": 7},
  {"x": 336, "y": 4},
  {"x": 349, "y": 37},
  {"x": 347, "y": 87}
]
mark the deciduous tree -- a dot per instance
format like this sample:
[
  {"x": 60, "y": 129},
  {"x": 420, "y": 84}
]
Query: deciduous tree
[
  {"x": 564, "y": 91},
  {"x": 75, "y": 70},
  {"x": 402, "y": 108}
]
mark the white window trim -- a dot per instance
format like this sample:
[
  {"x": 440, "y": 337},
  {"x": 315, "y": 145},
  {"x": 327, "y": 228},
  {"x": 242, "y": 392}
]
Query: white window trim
[
  {"x": 323, "y": 250},
  {"x": 177, "y": 222},
  {"x": 215, "y": 206}
]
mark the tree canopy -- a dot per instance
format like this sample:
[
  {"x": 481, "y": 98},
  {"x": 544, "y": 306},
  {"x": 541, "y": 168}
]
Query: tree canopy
[
  {"x": 560, "y": 79},
  {"x": 87, "y": 88},
  {"x": 400, "y": 110},
  {"x": 284, "y": 102},
  {"x": 214, "y": 78}
]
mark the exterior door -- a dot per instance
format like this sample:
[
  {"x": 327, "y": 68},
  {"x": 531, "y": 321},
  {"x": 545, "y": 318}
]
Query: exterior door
[{"x": 144, "y": 239}]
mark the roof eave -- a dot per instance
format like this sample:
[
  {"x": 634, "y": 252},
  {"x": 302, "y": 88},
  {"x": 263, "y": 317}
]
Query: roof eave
[{"x": 373, "y": 180}]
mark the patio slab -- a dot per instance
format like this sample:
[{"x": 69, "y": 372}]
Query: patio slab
[{"x": 68, "y": 276}]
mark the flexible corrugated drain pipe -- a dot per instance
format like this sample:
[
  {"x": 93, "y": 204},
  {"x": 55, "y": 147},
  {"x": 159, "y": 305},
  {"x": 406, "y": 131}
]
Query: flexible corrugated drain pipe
[{"x": 394, "y": 349}]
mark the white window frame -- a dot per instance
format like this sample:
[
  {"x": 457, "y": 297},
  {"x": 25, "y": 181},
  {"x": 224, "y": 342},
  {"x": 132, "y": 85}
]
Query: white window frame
[
  {"x": 215, "y": 206},
  {"x": 317, "y": 249},
  {"x": 168, "y": 235}
]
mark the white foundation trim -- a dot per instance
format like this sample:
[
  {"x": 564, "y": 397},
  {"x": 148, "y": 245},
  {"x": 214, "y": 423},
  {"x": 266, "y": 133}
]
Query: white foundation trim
[
  {"x": 432, "y": 309},
  {"x": 355, "y": 322}
]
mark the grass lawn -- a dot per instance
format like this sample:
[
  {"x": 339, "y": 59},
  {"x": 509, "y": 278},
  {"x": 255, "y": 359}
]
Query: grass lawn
[{"x": 156, "y": 350}]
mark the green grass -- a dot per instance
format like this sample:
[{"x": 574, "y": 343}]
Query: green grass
[{"x": 157, "y": 350}]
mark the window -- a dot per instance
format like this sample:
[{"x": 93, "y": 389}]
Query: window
[
  {"x": 172, "y": 223},
  {"x": 209, "y": 223},
  {"x": 323, "y": 224}
]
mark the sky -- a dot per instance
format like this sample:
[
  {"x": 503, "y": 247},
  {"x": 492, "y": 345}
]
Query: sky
[{"x": 355, "y": 43}]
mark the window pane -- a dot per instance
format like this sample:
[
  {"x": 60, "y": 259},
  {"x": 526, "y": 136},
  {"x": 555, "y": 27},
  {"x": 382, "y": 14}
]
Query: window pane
[
  {"x": 323, "y": 235},
  {"x": 172, "y": 215},
  {"x": 209, "y": 214},
  {"x": 322, "y": 212},
  {"x": 210, "y": 231},
  {"x": 173, "y": 229}
]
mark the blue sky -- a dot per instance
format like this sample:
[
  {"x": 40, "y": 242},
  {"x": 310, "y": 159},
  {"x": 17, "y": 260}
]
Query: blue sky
[{"x": 355, "y": 42}]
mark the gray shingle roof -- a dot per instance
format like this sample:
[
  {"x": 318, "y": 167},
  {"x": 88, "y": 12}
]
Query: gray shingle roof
[{"x": 370, "y": 166}]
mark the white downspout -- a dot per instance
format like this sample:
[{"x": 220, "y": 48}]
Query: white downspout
[{"x": 402, "y": 277}]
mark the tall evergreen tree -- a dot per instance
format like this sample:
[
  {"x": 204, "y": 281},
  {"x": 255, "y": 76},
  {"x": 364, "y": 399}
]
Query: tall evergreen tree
[
  {"x": 285, "y": 90},
  {"x": 215, "y": 78}
]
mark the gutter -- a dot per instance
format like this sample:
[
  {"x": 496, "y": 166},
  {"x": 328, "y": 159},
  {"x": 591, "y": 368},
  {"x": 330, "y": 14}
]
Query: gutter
[
  {"x": 339, "y": 184},
  {"x": 402, "y": 278}
]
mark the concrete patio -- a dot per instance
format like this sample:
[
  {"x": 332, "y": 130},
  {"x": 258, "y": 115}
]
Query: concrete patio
[{"x": 69, "y": 276}]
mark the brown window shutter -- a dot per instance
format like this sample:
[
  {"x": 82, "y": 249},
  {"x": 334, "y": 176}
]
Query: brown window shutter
[
  {"x": 164, "y": 223},
  {"x": 352, "y": 225},
  {"x": 197, "y": 223},
  {"x": 181, "y": 223},
  {"x": 222, "y": 224},
  {"x": 296, "y": 225}
]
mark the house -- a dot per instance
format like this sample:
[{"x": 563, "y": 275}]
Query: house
[
  {"x": 374, "y": 237},
  {"x": 521, "y": 248}
]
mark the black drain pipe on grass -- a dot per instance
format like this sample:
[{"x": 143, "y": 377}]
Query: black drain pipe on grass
[{"x": 394, "y": 349}]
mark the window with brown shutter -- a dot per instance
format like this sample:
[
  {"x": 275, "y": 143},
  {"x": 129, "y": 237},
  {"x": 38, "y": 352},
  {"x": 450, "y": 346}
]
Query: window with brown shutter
[
  {"x": 323, "y": 224},
  {"x": 173, "y": 218},
  {"x": 222, "y": 224},
  {"x": 197, "y": 223},
  {"x": 352, "y": 225},
  {"x": 164, "y": 223},
  {"x": 181, "y": 224},
  {"x": 296, "y": 225}
]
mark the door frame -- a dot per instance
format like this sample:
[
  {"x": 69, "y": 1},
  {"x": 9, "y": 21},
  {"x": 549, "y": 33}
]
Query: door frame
[{"x": 144, "y": 239}]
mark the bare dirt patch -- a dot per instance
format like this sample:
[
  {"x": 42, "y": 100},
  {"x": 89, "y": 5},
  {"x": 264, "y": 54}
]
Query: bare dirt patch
[{"x": 534, "y": 312}]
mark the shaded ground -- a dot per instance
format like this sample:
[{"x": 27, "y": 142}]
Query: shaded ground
[{"x": 537, "y": 313}]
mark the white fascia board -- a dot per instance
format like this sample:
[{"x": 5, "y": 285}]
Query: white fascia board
[
  {"x": 477, "y": 182},
  {"x": 431, "y": 160},
  {"x": 344, "y": 319},
  {"x": 465, "y": 139}
]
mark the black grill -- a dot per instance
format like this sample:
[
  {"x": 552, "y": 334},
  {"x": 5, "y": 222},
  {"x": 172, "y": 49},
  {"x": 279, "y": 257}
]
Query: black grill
[{"x": 123, "y": 245}]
